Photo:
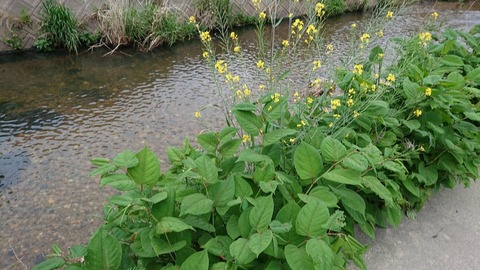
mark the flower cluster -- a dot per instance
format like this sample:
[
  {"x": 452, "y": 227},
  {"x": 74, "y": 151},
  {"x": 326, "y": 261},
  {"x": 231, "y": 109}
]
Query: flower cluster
[
  {"x": 358, "y": 69},
  {"x": 205, "y": 36},
  {"x": 425, "y": 37},
  {"x": 297, "y": 26},
  {"x": 320, "y": 9},
  {"x": 365, "y": 38},
  {"x": 221, "y": 66}
]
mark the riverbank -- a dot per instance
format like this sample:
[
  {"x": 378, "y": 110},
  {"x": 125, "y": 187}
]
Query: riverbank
[{"x": 21, "y": 20}]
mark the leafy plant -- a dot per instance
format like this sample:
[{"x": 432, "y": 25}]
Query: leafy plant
[
  {"x": 335, "y": 7},
  {"x": 58, "y": 27},
  {"x": 14, "y": 42},
  {"x": 284, "y": 184},
  {"x": 24, "y": 17}
]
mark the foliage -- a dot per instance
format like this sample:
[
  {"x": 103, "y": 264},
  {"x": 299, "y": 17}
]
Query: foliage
[
  {"x": 283, "y": 185},
  {"x": 24, "y": 17},
  {"x": 335, "y": 7},
  {"x": 59, "y": 27},
  {"x": 14, "y": 42}
]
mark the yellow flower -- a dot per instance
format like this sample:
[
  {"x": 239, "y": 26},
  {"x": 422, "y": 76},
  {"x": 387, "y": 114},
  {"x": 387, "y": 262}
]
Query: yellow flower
[
  {"x": 421, "y": 148},
  {"x": 298, "y": 25},
  {"x": 337, "y": 116},
  {"x": 355, "y": 114},
  {"x": 358, "y": 69},
  {"x": 417, "y": 112},
  {"x": 290, "y": 15},
  {"x": 296, "y": 94},
  {"x": 236, "y": 78},
  {"x": 365, "y": 38},
  {"x": 330, "y": 47},
  {"x": 379, "y": 33},
  {"x": 311, "y": 29},
  {"x": 205, "y": 55},
  {"x": 428, "y": 92},
  {"x": 285, "y": 43},
  {"x": 351, "y": 91},
  {"x": 350, "y": 102},
  {"x": 276, "y": 97},
  {"x": 260, "y": 64},
  {"x": 317, "y": 82},
  {"x": 239, "y": 94},
  {"x": 229, "y": 77},
  {"x": 205, "y": 36},
  {"x": 246, "y": 138},
  {"x": 233, "y": 36},
  {"x": 309, "y": 100},
  {"x": 391, "y": 77},
  {"x": 198, "y": 114},
  {"x": 261, "y": 87},
  {"x": 302, "y": 123},
  {"x": 330, "y": 125},
  {"x": 221, "y": 66},
  {"x": 435, "y": 15},
  {"x": 376, "y": 76},
  {"x": 262, "y": 15},
  {"x": 335, "y": 103},
  {"x": 389, "y": 14},
  {"x": 353, "y": 25},
  {"x": 236, "y": 49},
  {"x": 317, "y": 64},
  {"x": 256, "y": 3},
  {"x": 267, "y": 70},
  {"x": 380, "y": 56},
  {"x": 425, "y": 37},
  {"x": 246, "y": 91},
  {"x": 292, "y": 140},
  {"x": 319, "y": 8},
  {"x": 192, "y": 19}
]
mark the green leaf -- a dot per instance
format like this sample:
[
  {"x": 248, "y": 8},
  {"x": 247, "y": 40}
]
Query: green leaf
[
  {"x": 250, "y": 155},
  {"x": 245, "y": 107},
  {"x": 206, "y": 168},
  {"x": 351, "y": 199},
  {"x": 50, "y": 264},
  {"x": 262, "y": 213},
  {"x": 324, "y": 195},
  {"x": 242, "y": 187},
  {"x": 472, "y": 116},
  {"x": 196, "y": 261},
  {"x": 332, "y": 149},
  {"x": 307, "y": 161},
  {"x": 258, "y": 242},
  {"x": 232, "y": 227},
  {"x": 121, "y": 200},
  {"x": 208, "y": 141},
  {"x": 161, "y": 246},
  {"x": 452, "y": 60},
  {"x": 77, "y": 251},
  {"x": 356, "y": 162},
  {"x": 412, "y": 124},
  {"x": 172, "y": 224},
  {"x": 104, "y": 169},
  {"x": 298, "y": 259},
  {"x": 219, "y": 246},
  {"x": 103, "y": 252},
  {"x": 147, "y": 172},
  {"x": 321, "y": 253},
  {"x": 230, "y": 147},
  {"x": 118, "y": 181},
  {"x": 378, "y": 188},
  {"x": 410, "y": 89},
  {"x": 126, "y": 159},
  {"x": 99, "y": 162},
  {"x": 241, "y": 251},
  {"x": 473, "y": 75},
  {"x": 248, "y": 121},
  {"x": 200, "y": 222},
  {"x": 344, "y": 176},
  {"x": 264, "y": 171},
  {"x": 432, "y": 79},
  {"x": 196, "y": 204},
  {"x": 279, "y": 227},
  {"x": 223, "y": 191},
  {"x": 311, "y": 219},
  {"x": 157, "y": 197},
  {"x": 276, "y": 135}
]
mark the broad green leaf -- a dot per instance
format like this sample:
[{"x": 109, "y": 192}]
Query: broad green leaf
[
  {"x": 200, "y": 222},
  {"x": 157, "y": 197},
  {"x": 248, "y": 121},
  {"x": 311, "y": 219},
  {"x": 432, "y": 79},
  {"x": 206, "y": 168},
  {"x": 241, "y": 251},
  {"x": 161, "y": 246},
  {"x": 99, "y": 162},
  {"x": 250, "y": 155},
  {"x": 298, "y": 259},
  {"x": 264, "y": 171},
  {"x": 307, "y": 161},
  {"x": 332, "y": 149},
  {"x": 344, "y": 176},
  {"x": 172, "y": 224},
  {"x": 121, "y": 200},
  {"x": 223, "y": 191},
  {"x": 246, "y": 107},
  {"x": 412, "y": 124},
  {"x": 472, "y": 116},
  {"x": 324, "y": 195},
  {"x": 103, "y": 251},
  {"x": 452, "y": 60},
  {"x": 208, "y": 141},
  {"x": 232, "y": 227},
  {"x": 473, "y": 75},
  {"x": 321, "y": 253},
  {"x": 244, "y": 226},
  {"x": 165, "y": 207},
  {"x": 410, "y": 89},
  {"x": 279, "y": 227},
  {"x": 258, "y": 242},
  {"x": 230, "y": 147},
  {"x": 196, "y": 204},
  {"x": 175, "y": 156},
  {"x": 288, "y": 213},
  {"x": 50, "y": 264},
  {"x": 242, "y": 187},
  {"x": 126, "y": 159},
  {"x": 276, "y": 135},
  {"x": 356, "y": 162},
  {"x": 219, "y": 246},
  {"x": 104, "y": 169},
  {"x": 77, "y": 251},
  {"x": 147, "y": 172},
  {"x": 378, "y": 188},
  {"x": 119, "y": 181},
  {"x": 196, "y": 261},
  {"x": 351, "y": 199},
  {"x": 261, "y": 214},
  {"x": 142, "y": 244},
  {"x": 269, "y": 187},
  {"x": 219, "y": 266},
  {"x": 336, "y": 221}
]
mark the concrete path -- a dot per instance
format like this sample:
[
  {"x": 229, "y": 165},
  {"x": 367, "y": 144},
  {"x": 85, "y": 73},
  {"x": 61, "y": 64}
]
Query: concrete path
[{"x": 445, "y": 235}]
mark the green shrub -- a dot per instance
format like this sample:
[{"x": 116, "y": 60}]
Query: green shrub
[
  {"x": 14, "y": 42},
  {"x": 335, "y": 7},
  {"x": 58, "y": 27}
]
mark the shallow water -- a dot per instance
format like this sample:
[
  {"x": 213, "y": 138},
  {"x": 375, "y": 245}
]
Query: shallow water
[{"x": 58, "y": 111}]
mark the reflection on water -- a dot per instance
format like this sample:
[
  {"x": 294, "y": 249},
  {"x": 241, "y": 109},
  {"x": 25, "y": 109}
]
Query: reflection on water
[{"x": 57, "y": 111}]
